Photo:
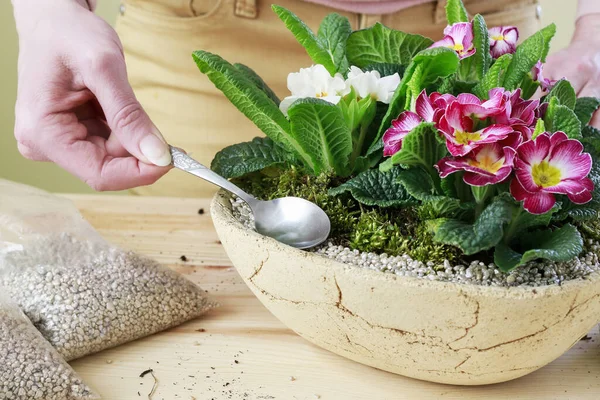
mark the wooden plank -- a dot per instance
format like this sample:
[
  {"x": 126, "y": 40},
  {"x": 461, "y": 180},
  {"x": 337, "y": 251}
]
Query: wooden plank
[{"x": 198, "y": 360}]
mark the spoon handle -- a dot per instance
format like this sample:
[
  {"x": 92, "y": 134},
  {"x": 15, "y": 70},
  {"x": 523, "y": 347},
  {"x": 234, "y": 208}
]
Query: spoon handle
[{"x": 186, "y": 163}]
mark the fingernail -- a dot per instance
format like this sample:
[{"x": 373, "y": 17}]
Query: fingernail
[{"x": 155, "y": 150}]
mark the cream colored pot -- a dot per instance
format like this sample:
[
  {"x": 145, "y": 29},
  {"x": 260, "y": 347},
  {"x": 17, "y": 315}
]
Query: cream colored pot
[{"x": 440, "y": 332}]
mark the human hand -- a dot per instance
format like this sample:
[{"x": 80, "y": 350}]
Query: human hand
[
  {"x": 75, "y": 106},
  {"x": 580, "y": 61}
]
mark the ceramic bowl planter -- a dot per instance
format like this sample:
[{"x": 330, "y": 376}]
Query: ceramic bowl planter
[{"x": 441, "y": 332}]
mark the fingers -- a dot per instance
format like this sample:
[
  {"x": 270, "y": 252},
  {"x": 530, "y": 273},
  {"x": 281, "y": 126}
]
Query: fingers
[
  {"x": 89, "y": 160},
  {"x": 124, "y": 114},
  {"x": 558, "y": 67},
  {"x": 30, "y": 153}
]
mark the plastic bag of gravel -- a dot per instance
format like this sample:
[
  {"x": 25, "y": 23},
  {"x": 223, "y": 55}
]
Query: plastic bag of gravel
[
  {"x": 30, "y": 368},
  {"x": 83, "y": 294}
]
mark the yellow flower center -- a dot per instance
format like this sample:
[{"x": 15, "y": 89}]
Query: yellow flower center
[
  {"x": 485, "y": 161},
  {"x": 466, "y": 137},
  {"x": 322, "y": 94},
  {"x": 498, "y": 38},
  {"x": 458, "y": 47},
  {"x": 545, "y": 175}
]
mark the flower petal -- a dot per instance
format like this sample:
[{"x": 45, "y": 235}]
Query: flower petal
[
  {"x": 568, "y": 159},
  {"x": 476, "y": 179},
  {"x": 286, "y": 103},
  {"x": 539, "y": 203},
  {"x": 424, "y": 107},
  {"x": 392, "y": 138},
  {"x": 534, "y": 151}
]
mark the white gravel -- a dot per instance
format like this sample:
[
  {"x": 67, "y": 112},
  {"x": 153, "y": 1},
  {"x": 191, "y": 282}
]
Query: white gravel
[
  {"x": 30, "y": 368},
  {"x": 85, "y": 297},
  {"x": 535, "y": 273}
]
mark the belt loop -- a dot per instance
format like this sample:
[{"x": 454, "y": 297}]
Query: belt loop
[
  {"x": 246, "y": 9},
  {"x": 439, "y": 15}
]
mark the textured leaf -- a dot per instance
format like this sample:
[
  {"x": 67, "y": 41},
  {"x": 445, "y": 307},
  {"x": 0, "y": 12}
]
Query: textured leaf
[
  {"x": 494, "y": 77},
  {"x": 485, "y": 233},
  {"x": 565, "y": 94},
  {"x": 386, "y": 69},
  {"x": 522, "y": 221},
  {"x": 380, "y": 44},
  {"x": 585, "y": 109},
  {"x": 375, "y": 188},
  {"x": 482, "y": 58},
  {"x": 562, "y": 118},
  {"x": 540, "y": 128},
  {"x": 317, "y": 50},
  {"x": 547, "y": 33},
  {"x": 456, "y": 12},
  {"x": 426, "y": 68},
  {"x": 421, "y": 148},
  {"x": 320, "y": 129},
  {"x": 419, "y": 185},
  {"x": 562, "y": 244},
  {"x": 250, "y": 100},
  {"x": 243, "y": 158},
  {"x": 258, "y": 81},
  {"x": 528, "y": 53},
  {"x": 333, "y": 34}
]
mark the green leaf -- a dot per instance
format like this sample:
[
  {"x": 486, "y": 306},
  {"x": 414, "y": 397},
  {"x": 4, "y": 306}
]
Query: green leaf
[
  {"x": 333, "y": 34},
  {"x": 547, "y": 33},
  {"x": 243, "y": 158},
  {"x": 320, "y": 129},
  {"x": 258, "y": 81},
  {"x": 380, "y": 44},
  {"x": 528, "y": 87},
  {"x": 483, "y": 234},
  {"x": 494, "y": 77},
  {"x": 421, "y": 148},
  {"x": 562, "y": 118},
  {"x": 386, "y": 69},
  {"x": 565, "y": 94},
  {"x": 326, "y": 51},
  {"x": 528, "y": 53},
  {"x": 419, "y": 185},
  {"x": 375, "y": 188},
  {"x": 250, "y": 100},
  {"x": 585, "y": 109},
  {"x": 456, "y": 12},
  {"x": 523, "y": 221},
  {"x": 426, "y": 68},
  {"x": 562, "y": 244},
  {"x": 482, "y": 58},
  {"x": 540, "y": 128}
]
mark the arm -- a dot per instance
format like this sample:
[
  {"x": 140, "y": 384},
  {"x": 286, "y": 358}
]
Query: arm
[
  {"x": 75, "y": 106},
  {"x": 580, "y": 61}
]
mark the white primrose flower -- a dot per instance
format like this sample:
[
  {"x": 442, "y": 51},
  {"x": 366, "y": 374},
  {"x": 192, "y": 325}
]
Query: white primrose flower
[
  {"x": 371, "y": 84},
  {"x": 315, "y": 82}
]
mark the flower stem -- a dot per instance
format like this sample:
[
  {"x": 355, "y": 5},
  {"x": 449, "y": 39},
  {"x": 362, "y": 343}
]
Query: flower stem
[
  {"x": 481, "y": 193},
  {"x": 359, "y": 143}
]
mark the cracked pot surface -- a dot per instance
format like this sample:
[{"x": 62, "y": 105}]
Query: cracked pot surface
[{"x": 436, "y": 331}]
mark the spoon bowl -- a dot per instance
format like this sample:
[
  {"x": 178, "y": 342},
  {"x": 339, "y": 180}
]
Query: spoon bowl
[{"x": 291, "y": 220}]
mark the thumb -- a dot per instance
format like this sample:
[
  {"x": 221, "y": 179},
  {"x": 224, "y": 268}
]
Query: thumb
[{"x": 125, "y": 116}]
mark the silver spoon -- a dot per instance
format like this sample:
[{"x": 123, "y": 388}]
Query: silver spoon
[{"x": 291, "y": 220}]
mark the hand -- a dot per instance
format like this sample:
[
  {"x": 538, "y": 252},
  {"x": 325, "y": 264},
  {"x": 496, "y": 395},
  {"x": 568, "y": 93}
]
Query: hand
[
  {"x": 580, "y": 62},
  {"x": 75, "y": 106}
]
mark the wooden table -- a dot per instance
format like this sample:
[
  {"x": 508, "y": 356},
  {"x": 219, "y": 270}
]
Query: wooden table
[{"x": 240, "y": 351}]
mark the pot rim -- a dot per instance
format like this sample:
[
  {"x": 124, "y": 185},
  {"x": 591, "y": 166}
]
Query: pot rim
[{"x": 221, "y": 212}]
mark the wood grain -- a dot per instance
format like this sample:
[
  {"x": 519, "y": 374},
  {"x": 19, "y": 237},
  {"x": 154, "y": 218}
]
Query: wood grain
[{"x": 240, "y": 351}]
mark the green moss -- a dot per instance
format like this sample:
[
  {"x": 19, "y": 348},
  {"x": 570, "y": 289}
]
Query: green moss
[
  {"x": 368, "y": 229},
  {"x": 590, "y": 230}
]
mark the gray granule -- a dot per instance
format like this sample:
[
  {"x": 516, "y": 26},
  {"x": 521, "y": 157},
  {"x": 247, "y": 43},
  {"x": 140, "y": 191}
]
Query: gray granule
[
  {"x": 85, "y": 297},
  {"x": 30, "y": 367},
  {"x": 534, "y": 273}
]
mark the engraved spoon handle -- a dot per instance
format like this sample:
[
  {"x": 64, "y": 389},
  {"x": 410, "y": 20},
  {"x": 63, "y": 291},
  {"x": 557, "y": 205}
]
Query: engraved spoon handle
[{"x": 186, "y": 163}]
